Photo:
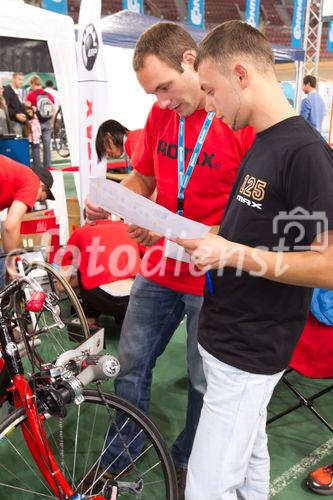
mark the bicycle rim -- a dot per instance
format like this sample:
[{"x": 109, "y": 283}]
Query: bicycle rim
[
  {"x": 53, "y": 340},
  {"x": 78, "y": 447}
]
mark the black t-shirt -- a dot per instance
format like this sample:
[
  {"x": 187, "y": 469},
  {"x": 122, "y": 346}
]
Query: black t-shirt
[{"x": 250, "y": 322}]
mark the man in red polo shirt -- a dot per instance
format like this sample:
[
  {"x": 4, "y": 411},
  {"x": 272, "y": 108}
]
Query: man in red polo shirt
[
  {"x": 20, "y": 188},
  {"x": 168, "y": 290}
]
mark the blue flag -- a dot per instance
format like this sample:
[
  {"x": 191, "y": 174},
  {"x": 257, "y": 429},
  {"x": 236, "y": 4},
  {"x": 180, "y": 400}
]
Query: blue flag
[
  {"x": 59, "y": 6},
  {"x": 252, "y": 12},
  {"x": 196, "y": 14},
  {"x": 298, "y": 24},
  {"x": 330, "y": 37},
  {"x": 133, "y": 6}
]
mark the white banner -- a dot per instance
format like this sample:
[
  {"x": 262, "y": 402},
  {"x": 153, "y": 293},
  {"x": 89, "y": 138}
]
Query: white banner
[{"x": 92, "y": 88}]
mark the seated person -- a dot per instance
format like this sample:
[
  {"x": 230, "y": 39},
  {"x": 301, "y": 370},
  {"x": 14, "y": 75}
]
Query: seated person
[
  {"x": 106, "y": 260},
  {"x": 113, "y": 140}
]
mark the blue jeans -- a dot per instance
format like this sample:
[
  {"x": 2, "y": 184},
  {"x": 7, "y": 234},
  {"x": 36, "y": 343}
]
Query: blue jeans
[
  {"x": 153, "y": 315},
  {"x": 35, "y": 155},
  {"x": 46, "y": 140}
]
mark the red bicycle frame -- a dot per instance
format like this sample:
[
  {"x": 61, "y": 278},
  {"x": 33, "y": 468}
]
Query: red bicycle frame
[{"x": 23, "y": 396}]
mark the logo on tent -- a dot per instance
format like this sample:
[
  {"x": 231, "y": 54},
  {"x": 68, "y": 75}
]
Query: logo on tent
[{"x": 89, "y": 46}]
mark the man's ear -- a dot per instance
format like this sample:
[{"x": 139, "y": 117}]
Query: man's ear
[
  {"x": 189, "y": 57},
  {"x": 241, "y": 74}
]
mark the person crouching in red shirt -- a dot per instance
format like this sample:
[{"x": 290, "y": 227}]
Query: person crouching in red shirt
[
  {"x": 106, "y": 260},
  {"x": 20, "y": 188}
]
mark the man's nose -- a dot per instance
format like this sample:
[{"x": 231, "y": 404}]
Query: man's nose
[{"x": 163, "y": 102}]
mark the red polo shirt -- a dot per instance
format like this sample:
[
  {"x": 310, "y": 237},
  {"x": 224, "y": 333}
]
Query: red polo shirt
[
  {"x": 17, "y": 182},
  {"x": 207, "y": 192},
  {"x": 103, "y": 253},
  {"x": 131, "y": 140}
]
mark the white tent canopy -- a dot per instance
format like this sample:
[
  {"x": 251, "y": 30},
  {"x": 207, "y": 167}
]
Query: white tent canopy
[
  {"x": 128, "y": 102},
  {"x": 24, "y": 21}
]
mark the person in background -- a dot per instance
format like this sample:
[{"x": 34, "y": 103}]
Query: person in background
[
  {"x": 44, "y": 105},
  {"x": 313, "y": 106},
  {"x": 49, "y": 88},
  {"x": 16, "y": 108},
  {"x": 32, "y": 131},
  {"x": 114, "y": 140},
  {"x": 20, "y": 188},
  {"x": 4, "y": 116},
  {"x": 103, "y": 261}
]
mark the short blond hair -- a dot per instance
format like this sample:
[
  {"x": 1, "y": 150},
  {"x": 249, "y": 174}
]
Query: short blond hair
[{"x": 35, "y": 80}]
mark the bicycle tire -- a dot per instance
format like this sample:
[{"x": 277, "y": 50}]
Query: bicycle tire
[
  {"x": 76, "y": 329},
  {"x": 59, "y": 135},
  {"x": 152, "y": 490}
]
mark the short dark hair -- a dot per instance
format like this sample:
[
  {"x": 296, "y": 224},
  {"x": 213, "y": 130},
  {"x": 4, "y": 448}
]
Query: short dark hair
[
  {"x": 117, "y": 132},
  {"x": 49, "y": 83},
  {"x": 234, "y": 38},
  {"x": 312, "y": 80},
  {"x": 167, "y": 41}
]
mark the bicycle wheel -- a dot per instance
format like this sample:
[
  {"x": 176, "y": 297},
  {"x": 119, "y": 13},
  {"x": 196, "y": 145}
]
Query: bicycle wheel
[
  {"x": 41, "y": 327},
  {"x": 59, "y": 135},
  {"x": 77, "y": 442}
]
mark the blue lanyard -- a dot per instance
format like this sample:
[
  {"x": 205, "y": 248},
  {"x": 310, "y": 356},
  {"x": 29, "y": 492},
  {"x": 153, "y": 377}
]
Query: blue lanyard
[{"x": 183, "y": 178}]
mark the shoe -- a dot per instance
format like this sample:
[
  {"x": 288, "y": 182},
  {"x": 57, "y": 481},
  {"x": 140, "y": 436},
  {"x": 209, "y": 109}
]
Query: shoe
[
  {"x": 321, "y": 480},
  {"x": 94, "y": 482},
  {"x": 181, "y": 482},
  {"x": 97, "y": 479}
]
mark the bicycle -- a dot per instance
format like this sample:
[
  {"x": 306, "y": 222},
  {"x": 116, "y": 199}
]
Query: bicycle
[
  {"x": 54, "y": 436},
  {"x": 59, "y": 135}
]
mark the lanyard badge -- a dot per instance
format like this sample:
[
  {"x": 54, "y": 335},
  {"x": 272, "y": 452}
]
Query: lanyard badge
[{"x": 183, "y": 178}]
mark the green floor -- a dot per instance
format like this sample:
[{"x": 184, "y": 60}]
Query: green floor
[{"x": 298, "y": 442}]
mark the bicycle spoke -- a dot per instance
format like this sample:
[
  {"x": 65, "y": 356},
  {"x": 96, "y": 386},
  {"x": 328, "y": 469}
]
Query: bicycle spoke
[
  {"x": 76, "y": 438},
  {"x": 27, "y": 464},
  {"x": 26, "y": 491},
  {"x": 90, "y": 441},
  {"x": 83, "y": 448}
]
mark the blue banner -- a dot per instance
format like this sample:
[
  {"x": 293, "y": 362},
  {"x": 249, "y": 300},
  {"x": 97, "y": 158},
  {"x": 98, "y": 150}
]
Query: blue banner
[
  {"x": 298, "y": 24},
  {"x": 252, "y": 12},
  {"x": 133, "y": 6},
  {"x": 330, "y": 37},
  {"x": 196, "y": 14},
  {"x": 59, "y": 6}
]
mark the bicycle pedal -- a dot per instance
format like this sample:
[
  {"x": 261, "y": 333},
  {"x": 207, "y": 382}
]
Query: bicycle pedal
[{"x": 111, "y": 490}]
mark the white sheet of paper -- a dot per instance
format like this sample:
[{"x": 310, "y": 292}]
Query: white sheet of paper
[
  {"x": 136, "y": 209},
  {"x": 174, "y": 251}
]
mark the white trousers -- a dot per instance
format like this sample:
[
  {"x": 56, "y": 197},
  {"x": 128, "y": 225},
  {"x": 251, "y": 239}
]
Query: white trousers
[{"x": 229, "y": 459}]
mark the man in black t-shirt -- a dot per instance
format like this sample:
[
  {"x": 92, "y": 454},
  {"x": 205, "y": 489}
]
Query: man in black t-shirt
[
  {"x": 275, "y": 243},
  {"x": 16, "y": 108}
]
